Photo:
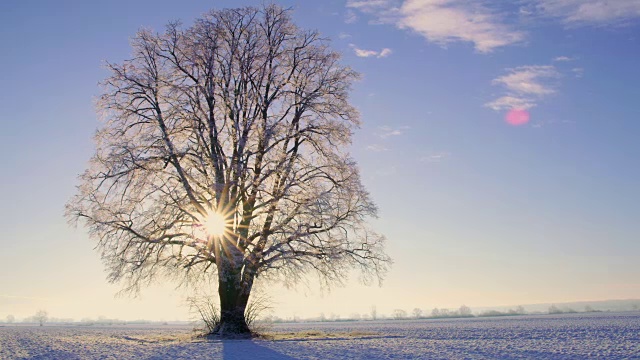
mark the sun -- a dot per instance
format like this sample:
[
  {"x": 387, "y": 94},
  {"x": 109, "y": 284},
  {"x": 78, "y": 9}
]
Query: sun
[{"x": 214, "y": 224}]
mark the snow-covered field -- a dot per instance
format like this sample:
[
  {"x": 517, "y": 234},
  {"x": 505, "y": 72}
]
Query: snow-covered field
[{"x": 569, "y": 336}]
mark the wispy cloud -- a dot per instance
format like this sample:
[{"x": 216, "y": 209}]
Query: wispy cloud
[
  {"x": 563, "y": 59},
  {"x": 350, "y": 17},
  {"x": 525, "y": 86},
  {"x": 364, "y": 53},
  {"x": 538, "y": 124},
  {"x": 528, "y": 80},
  {"x": 445, "y": 21},
  {"x": 385, "y": 52},
  {"x": 377, "y": 148},
  {"x": 370, "y": 5},
  {"x": 371, "y": 53},
  {"x": 387, "y": 131},
  {"x": 586, "y": 12},
  {"x": 488, "y": 24},
  {"x": 577, "y": 72},
  {"x": 509, "y": 102},
  {"x": 436, "y": 157}
]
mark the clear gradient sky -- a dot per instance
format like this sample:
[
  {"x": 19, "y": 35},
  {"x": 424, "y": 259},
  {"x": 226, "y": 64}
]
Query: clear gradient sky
[{"x": 476, "y": 211}]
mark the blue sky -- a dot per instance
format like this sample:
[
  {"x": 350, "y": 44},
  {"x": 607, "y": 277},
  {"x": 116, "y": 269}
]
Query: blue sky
[{"x": 476, "y": 211}]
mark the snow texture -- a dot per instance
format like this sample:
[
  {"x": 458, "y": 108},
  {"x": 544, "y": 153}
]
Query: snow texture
[{"x": 568, "y": 336}]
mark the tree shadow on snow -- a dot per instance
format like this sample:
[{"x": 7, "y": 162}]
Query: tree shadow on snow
[{"x": 248, "y": 349}]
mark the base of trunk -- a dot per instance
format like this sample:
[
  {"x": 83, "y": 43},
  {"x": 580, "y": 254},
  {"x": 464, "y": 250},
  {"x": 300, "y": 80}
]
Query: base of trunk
[
  {"x": 232, "y": 327},
  {"x": 231, "y": 331}
]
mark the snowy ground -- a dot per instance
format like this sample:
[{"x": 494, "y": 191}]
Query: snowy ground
[{"x": 572, "y": 336}]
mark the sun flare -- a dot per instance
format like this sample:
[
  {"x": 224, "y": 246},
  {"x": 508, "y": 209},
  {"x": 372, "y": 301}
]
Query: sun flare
[{"x": 214, "y": 224}]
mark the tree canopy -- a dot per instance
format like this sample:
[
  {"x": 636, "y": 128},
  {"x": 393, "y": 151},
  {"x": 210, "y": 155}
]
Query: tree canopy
[{"x": 244, "y": 117}]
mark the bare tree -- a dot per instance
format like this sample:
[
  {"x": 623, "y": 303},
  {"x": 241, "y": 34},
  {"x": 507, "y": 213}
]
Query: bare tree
[
  {"x": 553, "y": 309},
  {"x": 399, "y": 314},
  {"x": 519, "y": 310},
  {"x": 322, "y": 317},
  {"x": 374, "y": 312},
  {"x": 224, "y": 151},
  {"x": 464, "y": 310},
  {"x": 41, "y": 317},
  {"x": 417, "y": 313}
]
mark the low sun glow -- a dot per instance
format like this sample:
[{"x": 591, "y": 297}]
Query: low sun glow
[
  {"x": 214, "y": 224},
  {"x": 517, "y": 117}
]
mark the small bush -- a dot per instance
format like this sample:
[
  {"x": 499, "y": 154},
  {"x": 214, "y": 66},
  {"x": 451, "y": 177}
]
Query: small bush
[
  {"x": 207, "y": 310},
  {"x": 260, "y": 304}
]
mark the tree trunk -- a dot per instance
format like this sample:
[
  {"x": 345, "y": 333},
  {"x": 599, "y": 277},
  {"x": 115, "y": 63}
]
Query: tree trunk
[
  {"x": 234, "y": 296},
  {"x": 233, "y": 303},
  {"x": 233, "y": 290}
]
